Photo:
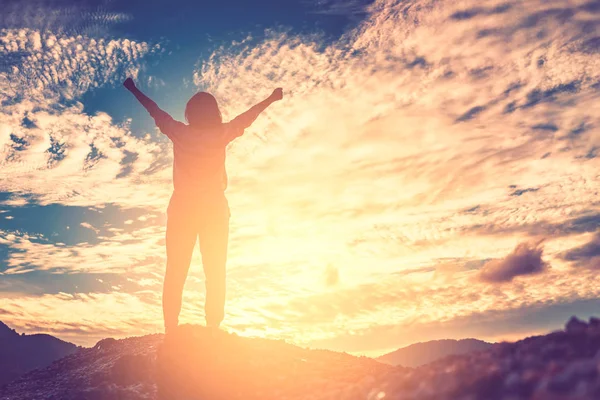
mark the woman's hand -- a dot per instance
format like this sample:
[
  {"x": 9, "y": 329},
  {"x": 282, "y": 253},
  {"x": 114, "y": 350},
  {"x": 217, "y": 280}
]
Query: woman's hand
[
  {"x": 129, "y": 84},
  {"x": 246, "y": 119},
  {"x": 277, "y": 94}
]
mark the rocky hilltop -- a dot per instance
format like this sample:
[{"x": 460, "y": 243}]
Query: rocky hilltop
[{"x": 193, "y": 364}]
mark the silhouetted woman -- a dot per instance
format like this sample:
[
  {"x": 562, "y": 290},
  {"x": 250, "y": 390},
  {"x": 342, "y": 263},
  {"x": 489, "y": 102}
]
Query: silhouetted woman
[{"x": 198, "y": 207}]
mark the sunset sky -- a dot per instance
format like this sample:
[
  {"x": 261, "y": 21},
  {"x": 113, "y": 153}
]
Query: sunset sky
[{"x": 432, "y": 172}]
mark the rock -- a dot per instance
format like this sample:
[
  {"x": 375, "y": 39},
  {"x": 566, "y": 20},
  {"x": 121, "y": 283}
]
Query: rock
[
  {"x": 105, "y": 344},
  {"x": 131, "y": 369}
]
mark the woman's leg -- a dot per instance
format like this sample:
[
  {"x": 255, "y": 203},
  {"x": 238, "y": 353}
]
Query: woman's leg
[
  {"x": 181, "y": 238},
  {"x": 213, "y": 234}
]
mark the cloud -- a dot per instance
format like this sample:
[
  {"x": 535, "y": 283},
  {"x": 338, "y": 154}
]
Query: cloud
[
  {"x": 136, "y": 252},
  {"x": 526, "y": 259},
  {"x": 587, "y": 255},
  {"x": 93, "y": 153},
  {"x": 115, "y": 315},
  {"x": 49, "y": 147},
  {"x": 89, "y": 226},
  {"x": 71, "y": 158},
  {"x": 44, "y": 63},
  {"x": 60, "y": 15},
  {"x": 406, "y": 303},
  {"x": 65, "y": 223},
  {"x": 332, "y": 275},
  {"x": 574, "y": 223},
  {"x": 352, "y": 95},
  {"x": 348, "y": 8},
  {"x": 489, "y": 325}
]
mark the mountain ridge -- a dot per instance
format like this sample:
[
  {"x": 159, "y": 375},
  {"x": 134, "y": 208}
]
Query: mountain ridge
[
  {"x": 422, "y": 353},
  {"x": 193, "y": 364},
  {"x": 21, "y": 353},
  {"x": 6, "y": 331}
]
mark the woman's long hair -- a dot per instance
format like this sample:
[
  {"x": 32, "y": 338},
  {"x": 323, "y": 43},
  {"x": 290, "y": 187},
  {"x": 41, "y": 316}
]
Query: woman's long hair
[{"x": 202, "y": 111}]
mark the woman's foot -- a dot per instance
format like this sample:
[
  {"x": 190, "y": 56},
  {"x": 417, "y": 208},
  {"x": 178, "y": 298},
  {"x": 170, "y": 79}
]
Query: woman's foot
[
  {"x": 213, "y": 330},
  {"x": 170, "y": 330}
]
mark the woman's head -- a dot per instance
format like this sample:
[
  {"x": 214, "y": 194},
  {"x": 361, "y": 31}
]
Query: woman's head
[{"x": 202, "y": 111}]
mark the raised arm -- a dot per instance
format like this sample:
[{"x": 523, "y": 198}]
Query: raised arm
[
  {"x": 163, "y": 120},
  {"x": 246, "y": 119},
  {"x": 146, "y": 101}
]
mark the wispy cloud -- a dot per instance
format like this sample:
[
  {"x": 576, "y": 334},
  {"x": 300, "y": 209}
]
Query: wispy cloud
[
  {"x": 82, "y": 318},
  {"x": 83, "y": 18},
  {"x": 37, "y": 63},
  {"x": 348, "y": 8},
  {"x": 587, "y": 255},
  {"x": 404, "y": 143},
  {"x": 53, "y": 150}
]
